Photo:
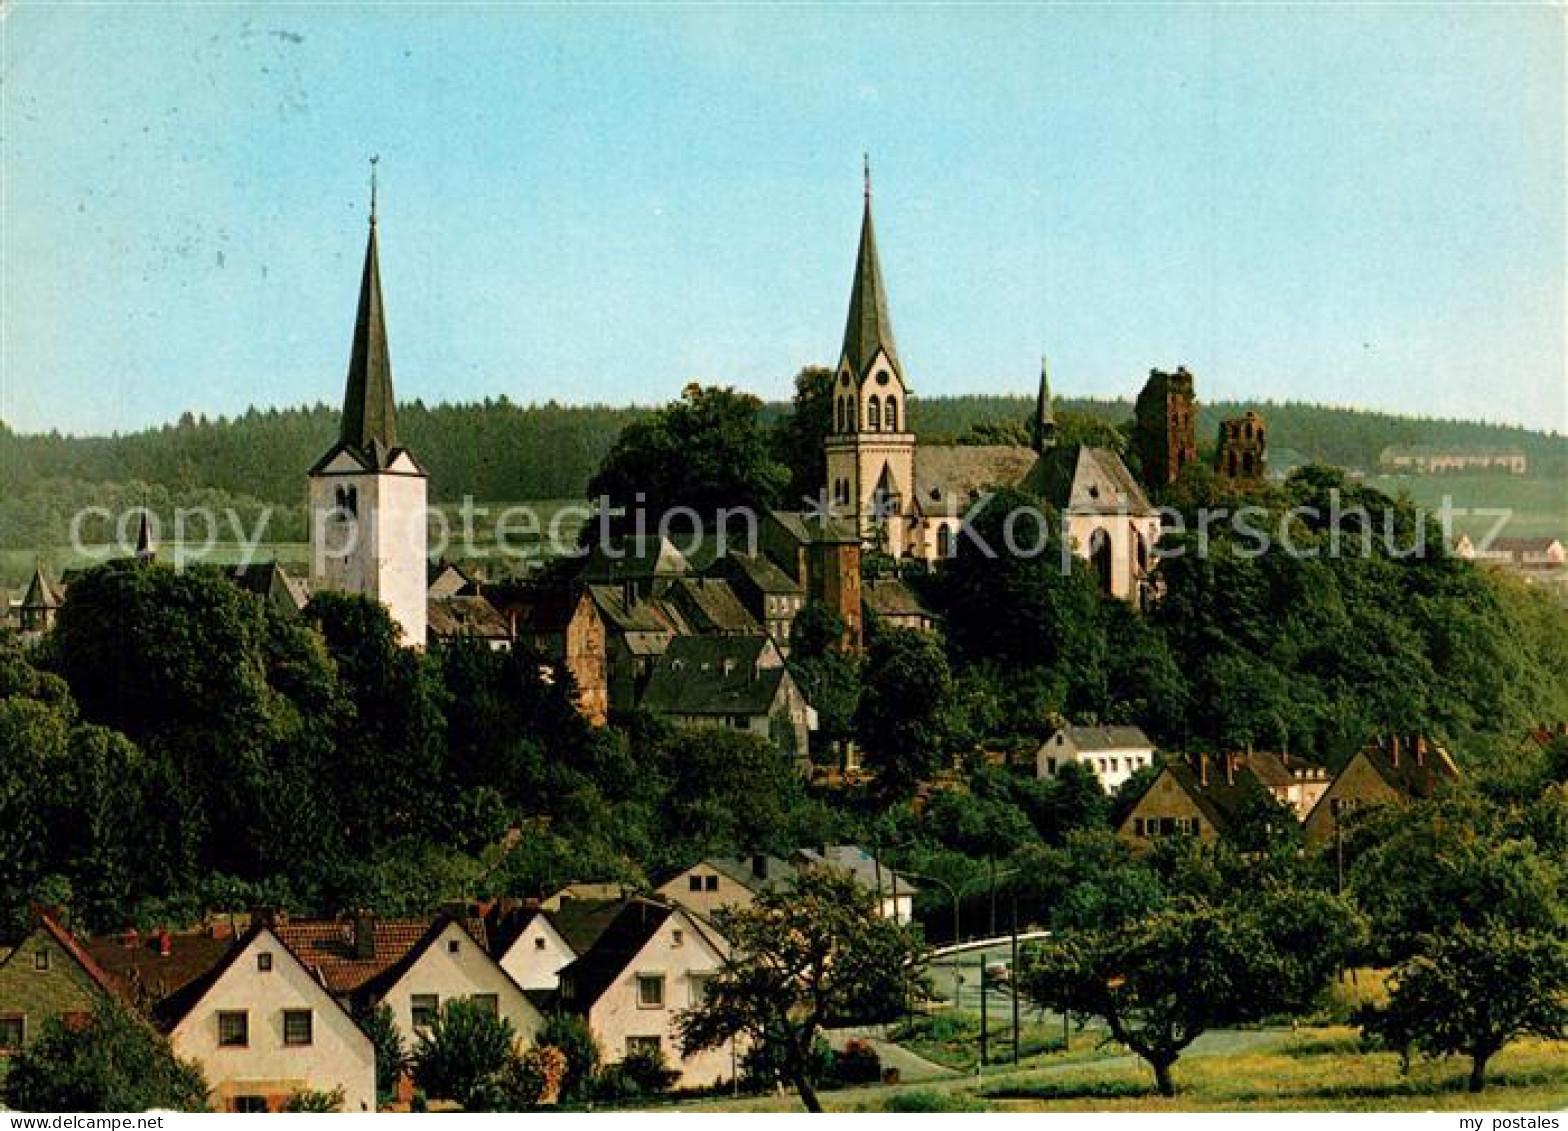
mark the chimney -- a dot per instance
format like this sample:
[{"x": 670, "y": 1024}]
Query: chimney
[
  {"x": 1230, "y": 769},
  {"x": 1420, "y": 749},
  {"x": 1203, "y": 769},
  {"x": 129, "y": 938},
  {"x": 729, "y": 665},
  {"x": 759, "y": 867},
  {"x": 1393, "y": 750},
  {"x": 364, "y": 936},
  {"x": 165, "y": 943}
]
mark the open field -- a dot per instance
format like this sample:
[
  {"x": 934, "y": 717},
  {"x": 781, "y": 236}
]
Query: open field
[
  {"x": 1312, "y": 1070},
  {"x": 1539, "y": 503}
]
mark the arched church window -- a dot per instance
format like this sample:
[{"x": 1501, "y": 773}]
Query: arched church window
[
  {"x": 838, "y": 415},
  {"x": 1100, "y": 558},
  {"x": 944, "y": 542},
  {"x": 891, "y": 414},
  {"x": 874, "y": 414},
  {"x": 849, "y": 409}
]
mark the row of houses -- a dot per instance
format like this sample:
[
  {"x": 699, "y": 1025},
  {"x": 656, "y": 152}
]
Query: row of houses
[
  {"x": 1209, "y": 797},
  {"x": 267, "y": 1004}
]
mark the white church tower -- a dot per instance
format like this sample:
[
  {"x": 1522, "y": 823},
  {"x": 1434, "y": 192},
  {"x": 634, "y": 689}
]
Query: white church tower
[{"x": 367, "y": 494}]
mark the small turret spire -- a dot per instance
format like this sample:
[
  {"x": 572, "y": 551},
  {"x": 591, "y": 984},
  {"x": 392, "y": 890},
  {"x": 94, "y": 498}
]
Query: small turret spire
[
  {"x": 1043, "y": 426},
  {"x": 146, "y": 548}
]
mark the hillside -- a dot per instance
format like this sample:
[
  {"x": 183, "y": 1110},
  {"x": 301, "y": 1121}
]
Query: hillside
[{"x": 497, "y": 450}]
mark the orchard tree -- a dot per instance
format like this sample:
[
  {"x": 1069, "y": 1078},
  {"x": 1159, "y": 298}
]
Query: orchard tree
[
  {"x": 801, "y": 958},
  {"x": 1162, "y": 980},
  {"x": 1470, "y": 991}
]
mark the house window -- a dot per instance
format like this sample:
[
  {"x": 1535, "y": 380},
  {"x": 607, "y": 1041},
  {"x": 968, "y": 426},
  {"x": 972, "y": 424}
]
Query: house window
[
  {"x": 233, "y": 1029},
  {"x": 452, "y": 946},
  {"x": 1050, "y": 767},
  {"x": 677, "y": 937},
  {"x": 298, "y": 1027},
  {"x": 13, "y": 1031},
  {"x": 700, "y": 985},
  {"x": 424, "y": 1008},
  {"x": 648, "y": 1046},
  {"x": 694, "y": 883},
  {"x": 539, "y": 943},
  {"x": 489, "y": 1003},
  {"x": 264, "y": 961},
  {"x": 249, "y": 1105},
  {"x": 41, "y": 960},
  {"x": 710, "y": 883},
  {"x": 650, "y": 991}
]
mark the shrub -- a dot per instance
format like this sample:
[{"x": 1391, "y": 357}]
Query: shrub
[
  {"x": 858, "y": 1063},
  {"x": 571, "y": 1035},
  {"x": 926, "y": 1099},
  {"x": 463, "y": 1055},
  {"x": 649, "y": 1071},
  {"x": 534, "y": 1077},
  {"x": 315, "y": 1103}
]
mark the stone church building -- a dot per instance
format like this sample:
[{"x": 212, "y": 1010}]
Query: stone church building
[{"x": 909, "y": 499}]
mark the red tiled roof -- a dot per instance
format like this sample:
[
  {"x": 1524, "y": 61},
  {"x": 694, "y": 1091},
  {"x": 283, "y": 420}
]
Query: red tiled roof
[{"x": 326, "y": 947}]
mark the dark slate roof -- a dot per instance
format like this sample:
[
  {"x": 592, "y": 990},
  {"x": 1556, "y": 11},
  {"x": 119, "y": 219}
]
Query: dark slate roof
[
  {"x": 743, "y": 870},
  {"x": 581, "y": 921},
  {"x": 636, "y": 920},
  {"x": 265, "y": 579},
  {"x": 141, "y": 974},
  {"x": 855, "y": 862},
  {"x": 808, "y": 528},
  {"x": 635, "y": 559},
  {"x": 709, "y": 605},
  {"x": 713, "y": 675},
  {"x": 40, "y": 594},
  {"x": 453, "y": 617},
  {"x": 1279, "y": 770},
  {"x": 890, "y": 597},
  {"x": 369, "y": 424},
  {"x": 1085, "y": 480},
  {"x": 767, "y": 577},
  {"x": 540, "y": 608},
  {"x": 1095, "y": 738},
  {"x": 868, "y": 328},
  {"x": 1224, "y": 798},
  {"x": 948, "y": 475},
  {"x": 1414, "y": 776}
]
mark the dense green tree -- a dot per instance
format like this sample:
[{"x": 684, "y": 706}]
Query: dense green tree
[
  {"x": 800, "y": 436},
  {"x": 902, "y": 723},
  {"x": 801, "y": 958},
  {"x": 380, "y": 1025},
  {"x": 728, "y": 791},
  {"x": 707, "y": 451},
  {"x": 115, "y": 1062},
  {"x": 570, "y": 1034},
  {"x": 1471, "y": 991},
  {"x": 1161, "y": 981}
]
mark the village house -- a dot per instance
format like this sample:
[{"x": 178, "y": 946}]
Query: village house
[
  {"x": 529, "y": 946},
  {"x": 651, "y": 961},
  {"x": 735, "y": 682},
  {"x": 895, "y": 895},
  {"x": 263, "y": 1028},
  {"x": 1432, "y": 459},
  {"x": 1111, "y": 753},
  {"x": 1203, "y": 797},
  {"x": 48, "y": 975},
  {"x": 414, "y": 966},
  {"x": 890, "y": 602},
  {"x": 768, "y": 593},
  {"x": 725, "y": 881},
  {"x": 468, "y": 617},
  {"x": 1386, "y": 771}
]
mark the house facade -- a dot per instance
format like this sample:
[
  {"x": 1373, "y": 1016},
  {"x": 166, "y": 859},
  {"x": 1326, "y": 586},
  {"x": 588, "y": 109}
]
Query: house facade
[
  {"x": 725, "y": 881},
  {"x": 531, "y": 950},
  {"x": 651, "y": 962},
  {"x": 1111, "y": 753},
  {"x": 264, "y": 1028},
  {"x": 48, "y": 975},
  {"x": 1389, "y": 770}
]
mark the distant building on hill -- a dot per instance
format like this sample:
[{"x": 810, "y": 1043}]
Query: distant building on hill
[
  {"x": 1112, "y": 754},
  {"x": 1433, "y": 459}
]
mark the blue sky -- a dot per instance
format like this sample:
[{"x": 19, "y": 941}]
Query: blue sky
[{"x": 1357, "y": 205}]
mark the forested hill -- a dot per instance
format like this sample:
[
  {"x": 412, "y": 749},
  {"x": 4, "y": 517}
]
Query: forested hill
[{"x": 497, "y": 450}]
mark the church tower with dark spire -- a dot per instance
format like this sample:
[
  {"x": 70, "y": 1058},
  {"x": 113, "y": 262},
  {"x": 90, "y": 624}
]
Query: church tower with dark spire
[
  {"x": 367, "y": 493},
  {"x": 871, "y": 449},
  {"x": 1042, "y": 429}
]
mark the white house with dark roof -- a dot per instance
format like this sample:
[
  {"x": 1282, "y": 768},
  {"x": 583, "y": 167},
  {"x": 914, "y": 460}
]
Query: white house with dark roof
[
  {"x": 1111, "y": 753},
  {"x": 734, "y": 682}
]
